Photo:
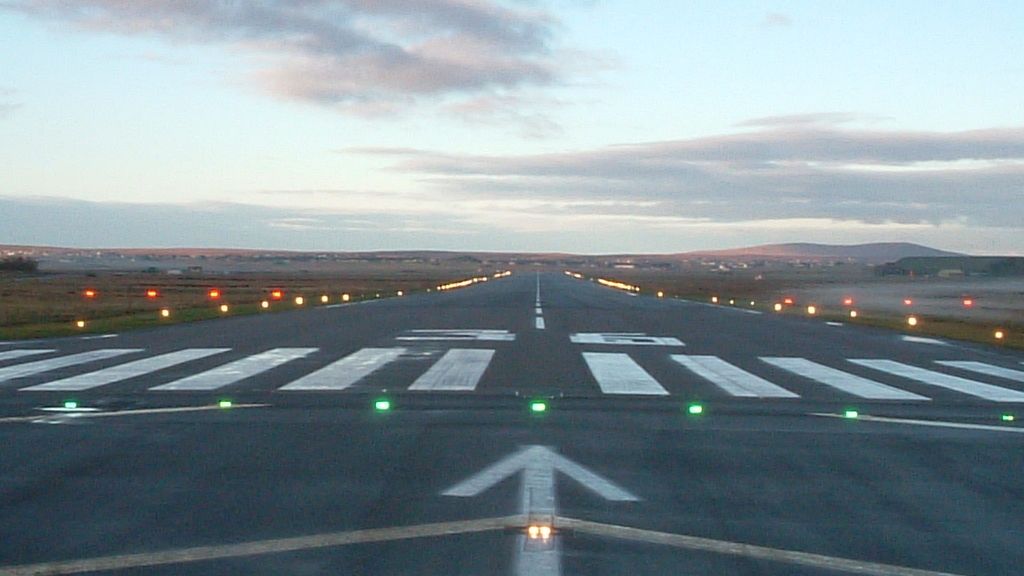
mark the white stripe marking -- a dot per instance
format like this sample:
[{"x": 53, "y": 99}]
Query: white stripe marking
[
  {"x": 539, "y": 322},
  {"x": 539, "y": 311},
  {"x": 979, "y": 389},
  {"x": 12, "y": 354},
  {"x": 618, "y": 374},
  {"x": 347, "y": 371},
  {"x": 627, "y": 338},
  {"x": 987, "y": 369},
  {"x": 40, "y": 366},
  {"x": 849, "y": 383},
  {"x": 921, "y": 340},
  {"x": 735, "y": 381},
  {"x": 834, "y": 323},
  {"x": 237, "y": 370},
  {"x": 935, "y": 423},
  {"x": 458, "y": 369},
  {"x": 484, "y": 335},
  {"x": 126, "y": 371}
]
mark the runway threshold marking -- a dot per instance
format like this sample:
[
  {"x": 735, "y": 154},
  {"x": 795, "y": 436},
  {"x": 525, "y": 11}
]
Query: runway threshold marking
[
  {"x": 983, "y": 368},
  {"x": 439, "y": 529},
  {"x": 849, "y": 383},
  {"x": 979, "y": 389},
  {"x": 617, "y": 373},
  {"x": 238, "y": 370},
  {"x": 734, "y": 380},
  {"x": 347, "y": 371},
  {"x": 932, "y": 423},
  {"x": 459, "y": 369},
  {"x": 126, "y": 371},
  {"x": 40, "y": 366},
  {"x": 14, "y": 354}
]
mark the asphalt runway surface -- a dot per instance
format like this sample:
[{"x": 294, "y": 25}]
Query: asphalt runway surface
[{"x": 677, "y": 438}]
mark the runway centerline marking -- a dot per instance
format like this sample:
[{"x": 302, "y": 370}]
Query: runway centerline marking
[
  {"x": 537, "y": 500},
  {"x": 538, "y": 323}
]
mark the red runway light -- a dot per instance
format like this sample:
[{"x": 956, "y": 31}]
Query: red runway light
[
  {"x": 847, "y": 301},
  {"x": 968, "y": 302},
  {"x": 90, "y": 293},
  {"x": 152, "y": 293},
  {"x": 787, "y": 301},
  {"x": 214, "y": 294},
  {"x": 276, "y": 294},
  {"x": 908, "y": 302}
]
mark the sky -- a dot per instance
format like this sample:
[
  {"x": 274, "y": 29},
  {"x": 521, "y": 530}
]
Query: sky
[{"x": 587, "y": 126}]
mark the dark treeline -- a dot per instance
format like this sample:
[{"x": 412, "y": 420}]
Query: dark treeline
[{"x": 18, "y": 264}]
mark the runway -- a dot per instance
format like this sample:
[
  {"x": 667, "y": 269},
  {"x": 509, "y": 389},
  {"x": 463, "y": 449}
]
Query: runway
[{"x": 733, "y": 434}]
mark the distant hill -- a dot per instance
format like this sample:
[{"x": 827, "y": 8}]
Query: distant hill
[{"x": 874, "y": 253}]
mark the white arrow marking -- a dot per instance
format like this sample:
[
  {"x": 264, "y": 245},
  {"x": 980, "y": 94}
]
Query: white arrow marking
[{"x": 537, "y": 498}]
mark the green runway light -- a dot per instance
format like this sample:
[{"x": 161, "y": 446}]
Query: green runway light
[
  {"x": 695, "y": 409},
  {"x": 1007, "y": 418},
  {"x": 538, "y": 407},
  {"x": 70, "y": 404},
  {"x": 225, "y": 404},
  {"x": 382, "y": 405},
  {"x": 851, "y": 414}
]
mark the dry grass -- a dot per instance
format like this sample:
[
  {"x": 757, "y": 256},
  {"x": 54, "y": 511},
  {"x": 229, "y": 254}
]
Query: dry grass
[{"x": 42, "y": 305}]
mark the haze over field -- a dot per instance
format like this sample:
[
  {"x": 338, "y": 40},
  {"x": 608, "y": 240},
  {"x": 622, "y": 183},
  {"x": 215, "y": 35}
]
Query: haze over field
[{"x": 545, "y": 126}]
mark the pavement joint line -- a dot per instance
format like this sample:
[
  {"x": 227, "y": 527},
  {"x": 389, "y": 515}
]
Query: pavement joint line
[
  {"x": 88, "y": 414},
  {"x": 271, "y": 546},
  {"x": 932, "y": 423},
  {"x": 696, "y": 543}
]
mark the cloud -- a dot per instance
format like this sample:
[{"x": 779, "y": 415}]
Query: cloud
[
  {"x": 776, "y": 20},
  {"x": 7, "y": 106},
  {"x": 361, "y": 56},
  {"x": 787, "y": 173},
  {"x": 58, "y": 221},
  {"x": 823, "y": 119}
]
